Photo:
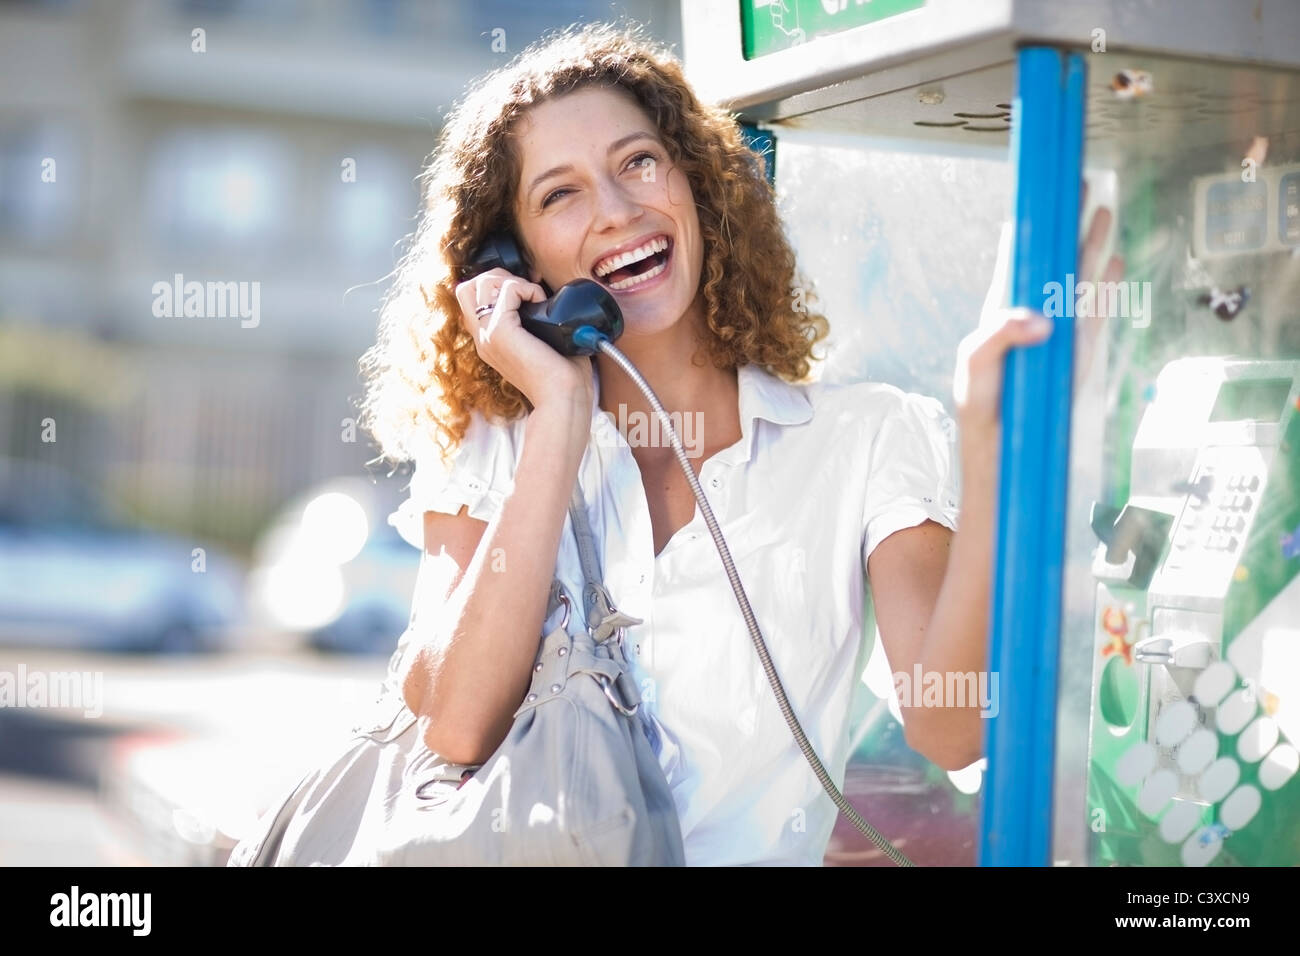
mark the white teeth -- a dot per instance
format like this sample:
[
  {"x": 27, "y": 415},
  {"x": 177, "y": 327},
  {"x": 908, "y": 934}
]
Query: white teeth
[
  {"x": 627, "y": 258},
  {"x": 646, "y": 276}
]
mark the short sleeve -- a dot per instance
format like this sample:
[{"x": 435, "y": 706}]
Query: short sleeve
[
  {"x": 480, "y": 475},
  {"x": 913, "y": 473}
]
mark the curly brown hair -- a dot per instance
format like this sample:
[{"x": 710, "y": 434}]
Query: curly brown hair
[{"x": 424, "y": 373}]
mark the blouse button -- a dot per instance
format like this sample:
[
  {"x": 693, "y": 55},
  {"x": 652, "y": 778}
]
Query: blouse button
[{"x": 716, "y": 483}]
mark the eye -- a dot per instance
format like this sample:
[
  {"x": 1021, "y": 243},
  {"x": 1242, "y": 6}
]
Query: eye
[
  {"x": 554, "y": 194},
  {"x": 640, "y": 160}
]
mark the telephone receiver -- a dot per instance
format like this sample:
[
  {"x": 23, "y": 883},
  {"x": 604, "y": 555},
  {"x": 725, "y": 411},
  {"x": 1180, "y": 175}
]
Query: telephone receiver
[{"x": 573, "y": 319}]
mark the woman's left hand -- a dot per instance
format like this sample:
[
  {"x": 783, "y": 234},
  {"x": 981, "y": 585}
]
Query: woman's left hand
[{"x": 977, "y": 381}]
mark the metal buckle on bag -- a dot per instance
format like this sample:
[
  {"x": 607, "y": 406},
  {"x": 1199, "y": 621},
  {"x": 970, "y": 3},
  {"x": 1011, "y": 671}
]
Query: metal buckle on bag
[
  {"x": 620, "y": 621},
  {"x": 564, "y": 622},
  {"x": 606, "y": 686},
  {"x": 614, "y": 638},
  {"x": 425, "y": 790}
]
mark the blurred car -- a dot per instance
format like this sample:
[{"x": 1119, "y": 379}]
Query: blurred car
[
  {"x": 75, "y": 574},
  {"x": 333, "y": 572}
]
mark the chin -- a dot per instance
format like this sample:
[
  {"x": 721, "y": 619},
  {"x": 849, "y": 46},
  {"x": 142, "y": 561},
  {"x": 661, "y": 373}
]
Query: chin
[{"x": 660, "y": 320}]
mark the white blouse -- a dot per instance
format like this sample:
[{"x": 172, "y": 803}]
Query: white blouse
[{"x": 821, "y": 475}]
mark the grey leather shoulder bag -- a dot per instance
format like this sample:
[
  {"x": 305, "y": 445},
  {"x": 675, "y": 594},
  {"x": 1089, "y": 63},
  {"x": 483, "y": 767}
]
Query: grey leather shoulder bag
[{"x": 575, "y": 782}]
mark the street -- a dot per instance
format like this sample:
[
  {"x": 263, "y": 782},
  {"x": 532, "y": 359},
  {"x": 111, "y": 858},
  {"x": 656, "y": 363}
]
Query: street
[{"x": 181, "y": 757}]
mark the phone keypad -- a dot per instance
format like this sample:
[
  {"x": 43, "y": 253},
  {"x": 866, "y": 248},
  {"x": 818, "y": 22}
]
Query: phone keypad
[{"x": 1211, "y": 531}]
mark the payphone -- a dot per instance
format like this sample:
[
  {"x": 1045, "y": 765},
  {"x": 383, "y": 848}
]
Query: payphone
[{"x": 1195, "y": 680}]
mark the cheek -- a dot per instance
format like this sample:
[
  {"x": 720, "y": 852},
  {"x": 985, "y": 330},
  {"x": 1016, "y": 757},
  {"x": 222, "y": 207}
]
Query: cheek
[
  {"x": 553, "y": 243},
  {"x": 690, "y": 219},
  {"x": 679, "y": 189}
]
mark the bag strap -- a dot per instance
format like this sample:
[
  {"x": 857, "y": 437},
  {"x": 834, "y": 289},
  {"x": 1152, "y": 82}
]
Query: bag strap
[{"x": 603, "y": 618}]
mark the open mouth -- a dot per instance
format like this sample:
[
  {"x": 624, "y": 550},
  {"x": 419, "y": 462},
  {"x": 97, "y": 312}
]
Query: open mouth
[{"x": 631, "y": 269}]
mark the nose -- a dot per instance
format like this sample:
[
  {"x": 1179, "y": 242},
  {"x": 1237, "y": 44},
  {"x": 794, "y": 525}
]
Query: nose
[{"x": 614, "y": 207}]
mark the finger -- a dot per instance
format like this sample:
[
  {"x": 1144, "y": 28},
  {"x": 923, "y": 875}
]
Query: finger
[
  {"x": 997, "y": 293},
  {"x": 1098, "y": 230},
  {"x": 1026, "y": 325},
  {"x": 1089, "y": 327},
  {"x": 485, "y": 293},
  {"x": 504, "y": 301},
  {"x": 508, "y": 298},
  {"x": 1017, "y": 326},
  {"x": 515, "y": 291},
  {"x": 478, "y": 291},
  {"x": 1114, "y": 269},
  {"x": 487, "y": 303},
  {"x": 1020, "y": 326},
  {"x": 467, "y": 297},
  {"x": 1092, "y": 319},
  {"x": 491, "y": 322}
]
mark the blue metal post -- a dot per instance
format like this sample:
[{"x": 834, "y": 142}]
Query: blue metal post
[
  {"x": 763, "y": 143},
  {"x": 1046, "y": 148}
]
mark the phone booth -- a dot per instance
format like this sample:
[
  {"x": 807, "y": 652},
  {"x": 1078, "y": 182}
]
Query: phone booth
[{"x": 1145, "y": 626}]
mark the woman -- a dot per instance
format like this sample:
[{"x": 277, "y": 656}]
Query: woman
[{"x": 593, "y": 151}]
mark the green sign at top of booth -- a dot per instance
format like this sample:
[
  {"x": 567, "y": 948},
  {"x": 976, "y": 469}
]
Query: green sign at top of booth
[{"x": 771, "y": 25}]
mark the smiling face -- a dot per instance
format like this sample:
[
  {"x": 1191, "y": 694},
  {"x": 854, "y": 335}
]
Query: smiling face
[{"x": 600, "y": 198}]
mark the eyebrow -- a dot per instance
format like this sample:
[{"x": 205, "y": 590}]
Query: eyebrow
[{"x": 614, "y": 147}]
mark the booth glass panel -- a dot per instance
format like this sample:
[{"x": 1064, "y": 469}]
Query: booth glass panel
[
  {"x": 898, "y": 240},
  {"x": 1179, "y": 713}
]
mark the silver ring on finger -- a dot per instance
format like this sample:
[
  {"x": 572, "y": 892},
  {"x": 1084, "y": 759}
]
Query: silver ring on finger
[{"x": 483, "y": 310}]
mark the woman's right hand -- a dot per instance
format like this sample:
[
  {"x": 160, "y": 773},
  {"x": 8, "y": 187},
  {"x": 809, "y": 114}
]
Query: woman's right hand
[{"x": 544, "y": 375}]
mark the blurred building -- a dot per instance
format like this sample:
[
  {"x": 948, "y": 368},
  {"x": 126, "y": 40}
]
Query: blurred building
[{"x": 264, "y": 148}]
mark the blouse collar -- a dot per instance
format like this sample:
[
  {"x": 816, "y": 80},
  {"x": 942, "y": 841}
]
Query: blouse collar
[{"x": 762, "y": 395}]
